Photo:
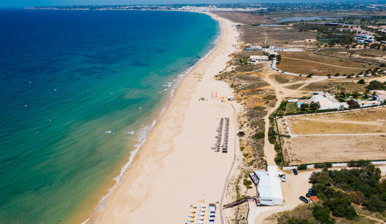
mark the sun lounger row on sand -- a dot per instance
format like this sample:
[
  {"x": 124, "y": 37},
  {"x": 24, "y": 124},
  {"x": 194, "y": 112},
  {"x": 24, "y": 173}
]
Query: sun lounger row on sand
[
  {"x": 200, "y": 214},
  {"x": 220, "y": 128},
  {"x": 226, "y": 135}
]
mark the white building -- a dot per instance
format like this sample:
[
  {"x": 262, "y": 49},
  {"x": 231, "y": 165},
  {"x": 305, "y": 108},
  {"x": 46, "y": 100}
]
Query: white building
[
  {"x": 369, "y": 103},
  {"x": 253, "y": 47},
  {"x": 380, "y": 95},
  {"x": 364, "y": 39},
  {"x": 254, "y": 59},
  {"x": 269, "y": 188},
  {"x": 327, "y": 101}
]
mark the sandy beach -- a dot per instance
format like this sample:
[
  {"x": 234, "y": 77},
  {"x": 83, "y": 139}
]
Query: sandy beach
[{"x": 176, "y": 167}]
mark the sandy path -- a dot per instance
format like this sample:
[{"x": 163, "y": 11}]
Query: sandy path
[{"x": 176, "y": 166}]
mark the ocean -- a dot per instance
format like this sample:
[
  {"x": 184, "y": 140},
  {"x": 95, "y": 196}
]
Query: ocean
[{"x": 79, "y": 92}]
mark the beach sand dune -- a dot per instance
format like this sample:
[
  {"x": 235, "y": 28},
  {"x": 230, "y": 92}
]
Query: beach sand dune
[{"x": 176, "y": 166}]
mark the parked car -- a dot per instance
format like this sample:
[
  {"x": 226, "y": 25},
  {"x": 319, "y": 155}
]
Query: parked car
[
  {"x": 295, "y": 171},
  {"x": 303, "y": 199},
  {"x": 283, "y": 178}
]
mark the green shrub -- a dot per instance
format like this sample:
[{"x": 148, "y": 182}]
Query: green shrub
[
  {"x": 298, "y": 221},
  {"x": 259, "y": 135},
  {"x": 277, "y": 147},
  {"x": 322, "y": 214},
  {"x": 247, "y": 182},
  {"x": 302, "y": 167},
  {"x": 360, "y": 163},
  {"x": 279, "y": 159},
  {"x": 374, "y": 204}
]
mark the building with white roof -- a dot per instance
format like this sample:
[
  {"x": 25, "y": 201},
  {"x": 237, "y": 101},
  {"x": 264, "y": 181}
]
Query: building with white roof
[
  {"x": 369, "y": 103},
  {"x": 327, "y": 101},
  {"x": 380, "y": 95},
  {"x": 254, "y": 59},
  {"x": 269, "y": 188}
]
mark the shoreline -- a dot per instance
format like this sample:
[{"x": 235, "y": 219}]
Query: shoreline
[
  {"x": 147, "y": 129},
  {"x": 183, "y": 91}
]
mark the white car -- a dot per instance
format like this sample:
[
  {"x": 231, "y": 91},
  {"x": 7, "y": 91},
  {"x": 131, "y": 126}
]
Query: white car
[{"x": 283, "y": 178}]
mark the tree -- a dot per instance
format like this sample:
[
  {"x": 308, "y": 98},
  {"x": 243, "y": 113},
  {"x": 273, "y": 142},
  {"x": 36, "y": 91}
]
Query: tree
[
  {"x": 314, "y": 106},
  {"x": 355, "y": 94},
  {"x": 278, "y": 57},
  {"x": 357, "y": 197},
  {"x": 362, "y": 81},
  {"x": 310, "y": 75},
  {"x": 376, "y": 85},
  {"x": 304, "y": 107},
  {"x": 353, "y": 104},
  {"x": 366, "y": 92}
]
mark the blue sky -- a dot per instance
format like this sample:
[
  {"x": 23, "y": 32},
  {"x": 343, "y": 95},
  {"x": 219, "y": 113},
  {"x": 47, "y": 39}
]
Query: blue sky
[{"x": 28, "y": 3}]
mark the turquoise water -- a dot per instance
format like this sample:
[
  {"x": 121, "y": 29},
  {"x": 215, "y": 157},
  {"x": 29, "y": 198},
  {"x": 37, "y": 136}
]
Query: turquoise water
[{"x": 80, "y": 90}]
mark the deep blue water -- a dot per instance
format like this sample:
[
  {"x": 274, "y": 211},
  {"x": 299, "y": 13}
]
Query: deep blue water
[{"x": 79, "y": 89}]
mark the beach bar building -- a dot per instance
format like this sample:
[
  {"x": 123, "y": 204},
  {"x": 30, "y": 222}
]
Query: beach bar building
[{"x": 269, "y": 188}]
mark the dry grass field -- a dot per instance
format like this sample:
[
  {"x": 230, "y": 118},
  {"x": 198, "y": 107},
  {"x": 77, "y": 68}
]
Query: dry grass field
[
  {"x": 276, "y": 35},
  {"x": 370, "y": 55},
  {"x": 307, "y": 62},
  {"x": 332, "y": 85},
  {"x": 281, "y": 78},
  {"x": 354, "y": 122},
  {"x": 318, "y": 149},
  {"x": 335, "y": 137}
]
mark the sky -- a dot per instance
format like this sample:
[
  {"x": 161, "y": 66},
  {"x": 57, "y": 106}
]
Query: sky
[{"x": 29, "y": 3}]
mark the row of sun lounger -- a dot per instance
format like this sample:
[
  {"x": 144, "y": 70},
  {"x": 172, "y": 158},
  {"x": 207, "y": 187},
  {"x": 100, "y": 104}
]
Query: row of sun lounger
[
  {"x": 226, "y": 136},
  {"x": 198, "y": 217},
  {"x": 200, "y": 214},
  {"x": 218, "y": 136}
]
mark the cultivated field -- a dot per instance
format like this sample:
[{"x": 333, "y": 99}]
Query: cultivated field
[
  {"x": 307, "y": 62},
  {"x": 334, "y": 137}
]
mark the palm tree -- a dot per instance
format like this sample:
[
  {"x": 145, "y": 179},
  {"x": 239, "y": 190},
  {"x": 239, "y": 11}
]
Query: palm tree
[
  {"x": 366, "y": 92},
  {"x": 355, "y": 94}
]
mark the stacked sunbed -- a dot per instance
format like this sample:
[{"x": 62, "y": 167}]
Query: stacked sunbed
[
  {"x": 226, "y": 135},
  {"x": 212, "y": 212},
  {"x": 219, "y": 134}
]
